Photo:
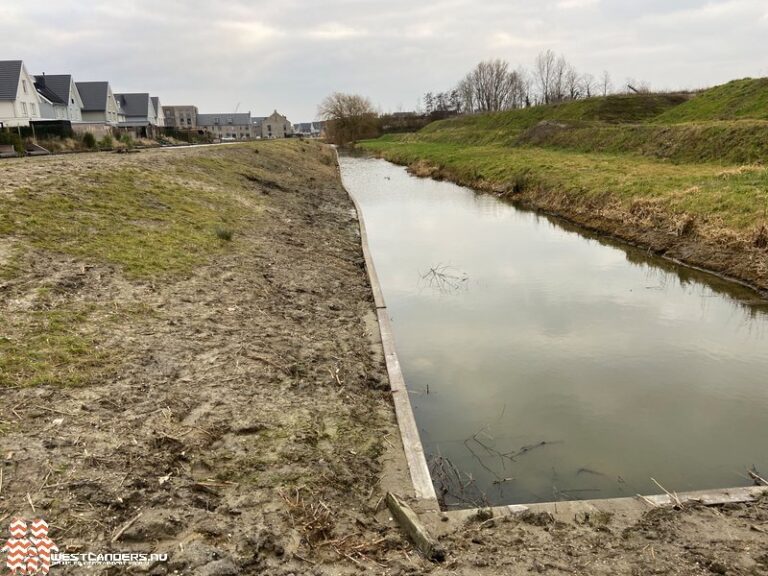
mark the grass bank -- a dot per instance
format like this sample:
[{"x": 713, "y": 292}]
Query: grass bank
[{"x": 697, "y": 192}]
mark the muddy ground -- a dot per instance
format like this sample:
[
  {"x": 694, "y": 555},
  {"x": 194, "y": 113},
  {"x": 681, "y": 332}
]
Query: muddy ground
[{"x": 241, "y": 420}]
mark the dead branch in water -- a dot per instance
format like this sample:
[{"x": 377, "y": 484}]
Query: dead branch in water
[{"x": 445, "y": 279}]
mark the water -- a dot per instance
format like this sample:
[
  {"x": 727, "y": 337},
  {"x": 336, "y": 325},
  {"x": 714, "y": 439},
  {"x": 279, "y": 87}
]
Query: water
[{"x": 547, "y": 365}]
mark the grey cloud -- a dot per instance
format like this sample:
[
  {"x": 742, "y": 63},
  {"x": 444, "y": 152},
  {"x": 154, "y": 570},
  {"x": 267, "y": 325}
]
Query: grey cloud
[{"x": 289, "y": 54}]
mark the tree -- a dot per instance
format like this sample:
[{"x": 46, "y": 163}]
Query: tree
[
  {"x": 606, "y": 86},
  {"x": 349, "y": 117},
  {"x": 491, "y": 86}
]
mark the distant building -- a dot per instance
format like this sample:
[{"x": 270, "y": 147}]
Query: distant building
[
  {"x": 257, "y": 122},
  {"x": 227, "y": 126},
  {"x": 59, "y": 97},
  {"x": 180, "y": 117},
  {"x": 309, "y": 129},
  {"x": 99, "y": 103},
  {"x": 19, "y": 101},
  {"x": 276, "y": 126}
]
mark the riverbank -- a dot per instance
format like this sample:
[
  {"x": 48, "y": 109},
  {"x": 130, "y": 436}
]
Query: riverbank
[
  {"x": 189, "y": 365},
  {"x": 705, "y": 215}
]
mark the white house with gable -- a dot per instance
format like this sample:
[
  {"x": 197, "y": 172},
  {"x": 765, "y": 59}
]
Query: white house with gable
[{"x": 19, "y": 102}]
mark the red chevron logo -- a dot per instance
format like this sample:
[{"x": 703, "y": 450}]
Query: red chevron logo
[{"x": 28, "y": 550}]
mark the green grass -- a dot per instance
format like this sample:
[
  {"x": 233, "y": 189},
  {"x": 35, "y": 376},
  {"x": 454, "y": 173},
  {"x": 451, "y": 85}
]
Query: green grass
[
  {"x": 737, "y": 198},
  {"x": 736, "y": 100},
  {"x": 49, "y": 347},
  {"x": 726, "y": 124},
  {"x": 149, "y": 223}
]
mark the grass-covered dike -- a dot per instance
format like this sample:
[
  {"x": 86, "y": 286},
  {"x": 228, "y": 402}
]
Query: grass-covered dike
[{"x": 684, "y": 175}]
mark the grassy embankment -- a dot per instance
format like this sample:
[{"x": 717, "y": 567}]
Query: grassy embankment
[
  {"x": 656, "y": 169},
  {"x": 152, "y": 224}
]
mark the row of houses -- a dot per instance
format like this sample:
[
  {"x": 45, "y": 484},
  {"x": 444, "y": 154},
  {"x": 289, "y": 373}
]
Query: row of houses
[
  {"x": 88, "y": 106},
  {"x": 228, "y": 125},
  {"x": 94, "y": 107}
]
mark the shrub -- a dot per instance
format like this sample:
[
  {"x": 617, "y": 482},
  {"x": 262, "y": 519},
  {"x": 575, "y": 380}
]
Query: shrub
[
  {"x": 224, "y": 234},
  {"x": 127, "y": 139},
  {"x": 89, "y": 140},
  {"x": 106, "y": 142}
]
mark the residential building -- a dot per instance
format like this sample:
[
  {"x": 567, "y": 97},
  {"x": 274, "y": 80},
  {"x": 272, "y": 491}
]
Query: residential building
[
  {"x": 158, "y": 118},
  {"x": 309, "y": 129},
  {"x": 227, "y": 126},
  {"x": 139, "y": 113},
  {"x": 180, "y": 117},
  {"x": 59, "y": 97},
  {"x": 276, "y": 126},
  {"x": 257, "y": 122},
  {"x": 19, "y": 101},
  {"x": 99, "y": 103}
]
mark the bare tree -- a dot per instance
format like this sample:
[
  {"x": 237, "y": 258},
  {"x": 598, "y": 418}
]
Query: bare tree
[
  {"x": 544, "y": 72},
  {"x": 349, "y": 117},
  {"x": 606, "y": 86},
  {"x": 491, "y": 86},
  {"x": 588, "y": 85}
]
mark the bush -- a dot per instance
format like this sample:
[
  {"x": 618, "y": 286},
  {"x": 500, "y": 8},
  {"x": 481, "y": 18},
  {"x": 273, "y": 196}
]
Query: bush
[
  {"x": 224, "y": 234},
  {"x": 89, "y": 140},
  {"x": 106, "y": 142},
  {"x": 127, "y": 139}
]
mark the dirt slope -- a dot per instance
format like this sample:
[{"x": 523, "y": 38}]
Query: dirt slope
[{"x": 233, "y": 410}]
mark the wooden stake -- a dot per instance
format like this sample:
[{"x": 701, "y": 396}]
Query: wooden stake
[{"x": 415, "y": 530}]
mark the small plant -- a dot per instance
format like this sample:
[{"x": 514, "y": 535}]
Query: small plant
[
  {"x": 106, "y": 142},
  {"x": 89, "y": 140},
  {"x": 127, "y": 139},
  {"x": 224, "y": 234}
]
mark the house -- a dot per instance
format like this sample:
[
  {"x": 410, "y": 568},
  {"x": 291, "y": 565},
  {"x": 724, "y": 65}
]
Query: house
[
  {"x": 60, "y": 99},
  {"x": 227, "y": 126},
  {"x": 99, "y": 103},
  {"x": 180, "y": 117},
  {"x": 308, "y": 129},
  {"x": 139, "y": 113},
  {"x": 158, "y": 118},
  {"x": 276, "y": 126},
  {"x": 19, "y": 101},
  {"x": 257, "y": 122}
]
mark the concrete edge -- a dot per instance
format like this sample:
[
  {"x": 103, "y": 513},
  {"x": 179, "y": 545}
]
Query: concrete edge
[
  {"x": 637, "y": 504},
  {"x": 409, "y": 432}
]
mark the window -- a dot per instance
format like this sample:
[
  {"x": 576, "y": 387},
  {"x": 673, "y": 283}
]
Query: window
[
  {"x": 24, "y": 86},
  {"x": 24, "y": 109},
  {"x": 33, "y": 108}
]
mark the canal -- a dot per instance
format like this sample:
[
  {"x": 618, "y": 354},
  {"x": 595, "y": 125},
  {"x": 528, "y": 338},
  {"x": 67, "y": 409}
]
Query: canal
[{"x": 545, "y": 364}]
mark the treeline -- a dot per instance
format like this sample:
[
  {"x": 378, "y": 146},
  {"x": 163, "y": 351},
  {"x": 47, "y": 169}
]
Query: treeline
[{"x": 493, "y": 85}]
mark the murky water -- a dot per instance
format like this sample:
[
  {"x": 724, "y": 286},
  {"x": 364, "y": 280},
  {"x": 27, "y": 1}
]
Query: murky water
[{"x": 546, "y": 365}]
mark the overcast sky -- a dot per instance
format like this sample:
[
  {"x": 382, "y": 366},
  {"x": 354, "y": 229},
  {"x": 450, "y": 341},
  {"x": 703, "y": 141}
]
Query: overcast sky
[{"x": 289, "y": 54}]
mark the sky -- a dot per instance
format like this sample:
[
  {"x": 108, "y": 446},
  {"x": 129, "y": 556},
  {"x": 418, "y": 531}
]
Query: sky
[{"x": 262, "y": 55}]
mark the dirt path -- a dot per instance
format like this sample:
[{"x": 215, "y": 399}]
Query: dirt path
[{"x": 235, "y": 413}]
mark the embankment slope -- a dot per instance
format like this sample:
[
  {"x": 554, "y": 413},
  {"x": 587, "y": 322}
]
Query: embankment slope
[{"x": 694, "y": 191}]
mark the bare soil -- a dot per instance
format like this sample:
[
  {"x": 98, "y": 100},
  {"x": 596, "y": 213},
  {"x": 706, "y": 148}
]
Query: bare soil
[{"x": 241, "y": 420}]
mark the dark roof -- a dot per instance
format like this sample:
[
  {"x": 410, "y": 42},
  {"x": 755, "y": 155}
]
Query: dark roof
[
  {"x": 94, "y": 95},
  {"x": 10, "y": 72},
  {"x": 55, "y": 87},
  {"x": 237, "y": 119},
  {"x": 134, "y": 104}
]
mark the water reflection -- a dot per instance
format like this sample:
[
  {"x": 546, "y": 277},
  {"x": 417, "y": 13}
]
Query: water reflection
[{"x": 547, "y": 363}]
